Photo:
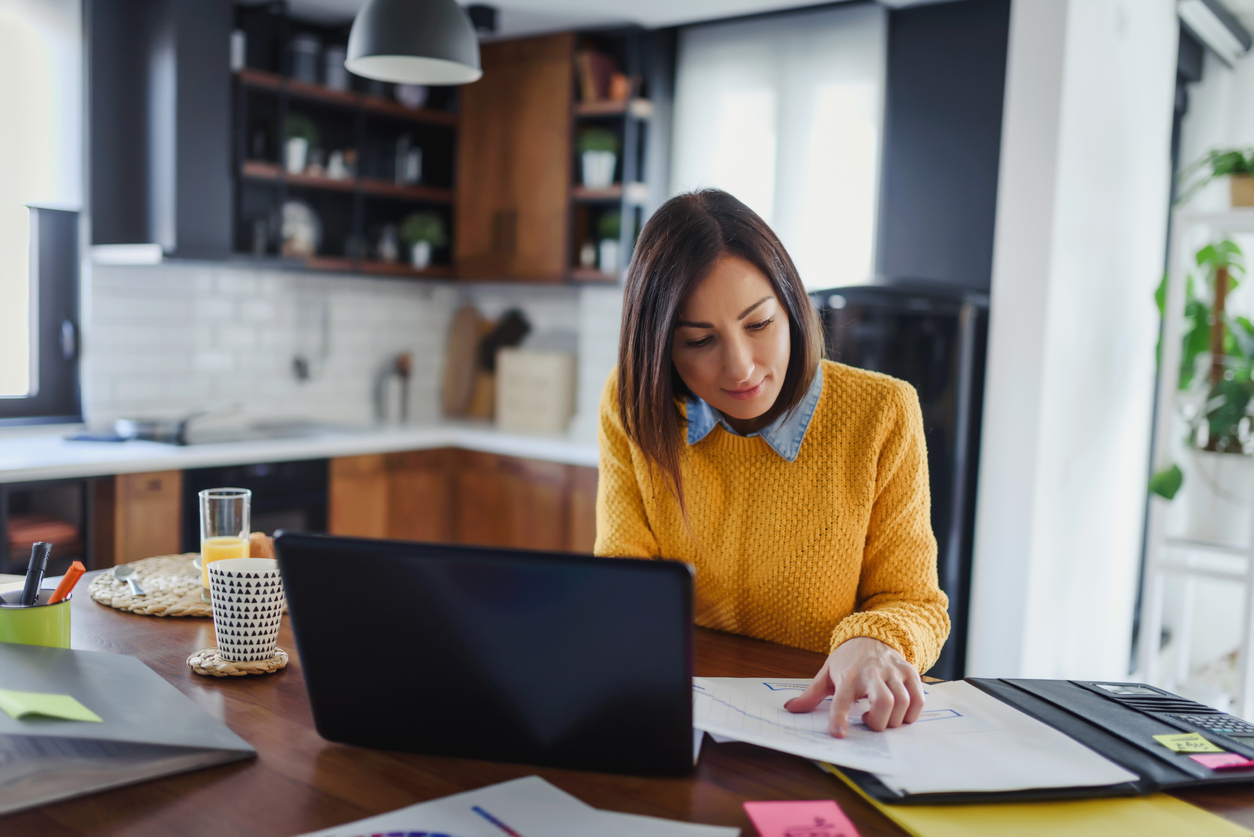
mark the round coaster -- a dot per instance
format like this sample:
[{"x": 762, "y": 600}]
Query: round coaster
[
  {"x": 170, "y": 583},
  {"x": 210, "y": 663}
]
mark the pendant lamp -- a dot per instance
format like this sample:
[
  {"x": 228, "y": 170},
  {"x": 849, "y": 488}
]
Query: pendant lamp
[{"x": 414, "y": 42}]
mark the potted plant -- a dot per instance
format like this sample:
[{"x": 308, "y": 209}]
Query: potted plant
[
  {"x": 1235, "y": 163},
  {"x": 1217, "y": 372},
  {"x": 598, "y": 149},
  {"x": 302, "y": 134},
  {"x": 423, "y": 232},
  {"x": 609, "y": 227}
]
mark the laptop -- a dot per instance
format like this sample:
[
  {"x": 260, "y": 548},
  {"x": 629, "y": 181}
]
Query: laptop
[{"x": 510, "y": 655}]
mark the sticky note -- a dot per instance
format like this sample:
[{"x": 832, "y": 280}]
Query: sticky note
[
  {"x": 25, "y": 704},
  {"x": 822, "y": 818},
  {"x": 1218, "y": 761},
  {"x": 1190, "y": 742}
]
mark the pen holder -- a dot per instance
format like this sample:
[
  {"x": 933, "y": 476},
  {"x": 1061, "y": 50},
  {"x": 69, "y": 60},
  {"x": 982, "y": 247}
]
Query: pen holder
[{"x": 39, "y": 624}]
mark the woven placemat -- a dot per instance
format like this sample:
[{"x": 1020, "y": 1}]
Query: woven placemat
[
  {"x": 170, "y": 583},
  {"x": 210, "y": 663},
  {"x": 171, "y": 586}
]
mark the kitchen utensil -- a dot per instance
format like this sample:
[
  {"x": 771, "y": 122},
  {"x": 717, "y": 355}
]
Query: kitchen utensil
[
  {"x": 126, "y": 573},
  {"x": 301, "y": 231}
]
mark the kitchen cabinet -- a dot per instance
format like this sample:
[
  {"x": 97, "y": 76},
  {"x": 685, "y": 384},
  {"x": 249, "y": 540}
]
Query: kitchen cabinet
[
  {"x": 405, "y": 496},
  {"x": 513, "y": 162},
  {"x": 138, "y": 516},
  {"x": 468, "y": 497}
]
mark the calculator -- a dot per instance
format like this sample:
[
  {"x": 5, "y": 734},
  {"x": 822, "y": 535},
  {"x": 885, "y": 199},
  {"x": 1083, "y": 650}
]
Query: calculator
[
  {"x": 1219, "y": 724},
  {"x": 1232, "y": 733}
]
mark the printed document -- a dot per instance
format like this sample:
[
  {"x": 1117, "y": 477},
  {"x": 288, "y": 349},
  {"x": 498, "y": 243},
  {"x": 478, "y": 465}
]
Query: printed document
[
  {"x": 528, "y": 806},
  {"x": 965, "y": 740}
]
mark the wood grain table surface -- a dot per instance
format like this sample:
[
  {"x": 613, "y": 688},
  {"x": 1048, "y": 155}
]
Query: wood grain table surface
[{"x": 300, "y": 782}]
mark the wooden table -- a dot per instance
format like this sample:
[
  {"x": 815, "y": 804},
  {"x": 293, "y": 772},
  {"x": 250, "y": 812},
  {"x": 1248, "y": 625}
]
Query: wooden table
[{"x": 300, "y": 782}]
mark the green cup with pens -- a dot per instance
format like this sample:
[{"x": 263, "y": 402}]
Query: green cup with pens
[{"x": 34, "y": 616}]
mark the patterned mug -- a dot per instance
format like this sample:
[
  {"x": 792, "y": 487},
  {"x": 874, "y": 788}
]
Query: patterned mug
[{"x": 247, "y": 596}]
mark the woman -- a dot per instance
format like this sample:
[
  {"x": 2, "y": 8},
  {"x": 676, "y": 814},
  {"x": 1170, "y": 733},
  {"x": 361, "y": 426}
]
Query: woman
[{"x": 797, "y": 487}]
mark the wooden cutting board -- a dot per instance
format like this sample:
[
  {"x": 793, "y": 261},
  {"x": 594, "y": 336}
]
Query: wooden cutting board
[{"x": 459, "y": 361}]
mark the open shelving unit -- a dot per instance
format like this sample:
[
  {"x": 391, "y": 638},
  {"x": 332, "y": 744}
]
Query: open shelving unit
[
  {"x": 1176, "y": 562},
  {"x": 362, "y": 122},
  {"x": 629, "y": 118}
]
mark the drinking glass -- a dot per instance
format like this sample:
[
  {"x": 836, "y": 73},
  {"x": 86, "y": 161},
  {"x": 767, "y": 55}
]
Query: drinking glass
[{"x": 224, "y": 528}]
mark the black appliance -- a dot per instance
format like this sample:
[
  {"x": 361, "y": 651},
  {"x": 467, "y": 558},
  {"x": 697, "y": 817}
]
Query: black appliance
[
  {"x": 933, "y": 336},
  {"x": 286, "y": 495}
]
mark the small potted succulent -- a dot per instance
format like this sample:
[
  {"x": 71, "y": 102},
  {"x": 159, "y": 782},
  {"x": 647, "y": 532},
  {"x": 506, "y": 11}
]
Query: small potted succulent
[
  {"x": 598, "y": 149},
  {"x": 609, "y": 227},
  {"x": 1235, "y": 164},
  {"x": 302, "y": 135},
  {"x": 423, "y": 232}
]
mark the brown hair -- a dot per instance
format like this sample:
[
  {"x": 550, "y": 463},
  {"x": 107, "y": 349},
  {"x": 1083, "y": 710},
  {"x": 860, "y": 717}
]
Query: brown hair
[{"x": 676, "y": 250}]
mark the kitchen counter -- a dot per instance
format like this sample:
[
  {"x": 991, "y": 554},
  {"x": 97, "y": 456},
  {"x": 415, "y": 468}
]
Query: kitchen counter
[{"x": 44, "y": 454}]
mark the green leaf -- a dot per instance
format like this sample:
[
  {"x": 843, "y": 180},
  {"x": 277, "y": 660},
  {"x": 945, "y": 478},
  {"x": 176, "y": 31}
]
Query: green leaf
[{"x": 1167, "y": 482}]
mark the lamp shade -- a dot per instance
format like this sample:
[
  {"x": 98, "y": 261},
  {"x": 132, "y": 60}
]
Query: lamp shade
[{"x": 414, "y": 42}]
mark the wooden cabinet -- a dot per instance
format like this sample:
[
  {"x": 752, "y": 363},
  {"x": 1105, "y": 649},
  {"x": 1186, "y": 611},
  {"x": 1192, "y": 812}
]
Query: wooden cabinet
[
  {"x": 405, "y": 496},
  {"x": 458, "y": 496},
  {"x": 138, "y": 516},
  {"x": 513, "y": 175}
]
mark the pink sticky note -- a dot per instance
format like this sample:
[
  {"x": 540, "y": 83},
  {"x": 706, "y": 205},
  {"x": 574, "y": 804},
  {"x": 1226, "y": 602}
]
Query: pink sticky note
[
  {"x": 1218, "y": 761},
  {"x": 787, "y": 818}
]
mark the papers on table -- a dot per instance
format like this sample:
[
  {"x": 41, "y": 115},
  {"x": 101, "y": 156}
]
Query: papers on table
[
  {"x": 965, "y": 741},
  {"x": 528, "y": 806}
]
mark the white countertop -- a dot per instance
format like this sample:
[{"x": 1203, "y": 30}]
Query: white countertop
[{"x": 45, "y": 454}]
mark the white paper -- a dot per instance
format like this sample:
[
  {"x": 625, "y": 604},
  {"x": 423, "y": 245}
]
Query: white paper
[
  {"x": 529, "y": 806},
  {"x": 724, "y": 709},
  {"x": 965, "y": 740},
  {"x": 1020, "y": 753}
]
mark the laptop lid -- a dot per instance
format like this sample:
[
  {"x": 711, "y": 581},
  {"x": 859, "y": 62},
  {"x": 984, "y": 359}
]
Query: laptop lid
[{"x": 509, "y": 655}]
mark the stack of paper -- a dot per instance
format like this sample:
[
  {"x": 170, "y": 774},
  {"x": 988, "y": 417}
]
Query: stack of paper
[
  {"x": 965, "y": 740},
  {"x": 529, "y": 806}
]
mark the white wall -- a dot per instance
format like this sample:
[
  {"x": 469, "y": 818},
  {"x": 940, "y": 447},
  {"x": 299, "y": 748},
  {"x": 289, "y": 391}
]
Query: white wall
[
  {"x": 1078, "y": 250},
  {"x": 1220, "y": 115}
]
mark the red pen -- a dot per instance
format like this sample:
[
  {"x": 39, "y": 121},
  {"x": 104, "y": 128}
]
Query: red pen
[{"x": 72, "y": 575}]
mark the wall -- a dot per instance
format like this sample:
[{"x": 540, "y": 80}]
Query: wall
[
  {"x": 1078, "y": 248},
  {"x": 171, "y": 339}
]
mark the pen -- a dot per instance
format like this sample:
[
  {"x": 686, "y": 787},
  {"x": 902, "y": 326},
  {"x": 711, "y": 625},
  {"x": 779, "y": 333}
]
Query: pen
[
  {"x": 39, "y": 552},
  {"x": 72, "y": 575}
]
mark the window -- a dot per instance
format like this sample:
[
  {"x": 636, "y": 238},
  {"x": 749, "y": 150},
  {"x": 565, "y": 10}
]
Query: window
[
  {"x": 786, "y": 114},
  {"x": 40, "y": 193}
]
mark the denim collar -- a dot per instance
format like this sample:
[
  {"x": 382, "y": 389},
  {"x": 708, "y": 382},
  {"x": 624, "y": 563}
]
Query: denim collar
[{"x": 784, "y": 435}]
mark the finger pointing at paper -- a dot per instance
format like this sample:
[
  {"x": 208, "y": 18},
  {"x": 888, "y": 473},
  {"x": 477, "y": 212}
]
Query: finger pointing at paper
[{"x": 864, "y": 667}]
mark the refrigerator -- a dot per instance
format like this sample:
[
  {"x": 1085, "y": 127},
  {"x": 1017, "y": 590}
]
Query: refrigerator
[{"x": 934, "y": 336}]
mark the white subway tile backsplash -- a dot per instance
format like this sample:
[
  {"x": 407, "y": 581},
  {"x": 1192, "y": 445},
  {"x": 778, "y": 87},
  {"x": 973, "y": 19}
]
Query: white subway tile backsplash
[{"x": 174, "y": 338}]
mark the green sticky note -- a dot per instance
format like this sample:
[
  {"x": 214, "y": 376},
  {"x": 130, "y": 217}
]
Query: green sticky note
[
  {"x": 1190, "y": 742},
  {"x": 25, "y": 704}
]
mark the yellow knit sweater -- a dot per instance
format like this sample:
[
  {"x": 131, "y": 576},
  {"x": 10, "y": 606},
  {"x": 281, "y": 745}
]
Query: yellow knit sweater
[{"x": 810, "y": 553}]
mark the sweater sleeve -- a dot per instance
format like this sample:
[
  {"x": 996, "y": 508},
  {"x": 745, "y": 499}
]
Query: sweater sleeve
[
  {"x": 900, "y": 602},
  {"x": 623, "y": 529}
]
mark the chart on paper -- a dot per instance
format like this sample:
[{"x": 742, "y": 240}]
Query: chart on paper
[{"x": 725, "y": 711}]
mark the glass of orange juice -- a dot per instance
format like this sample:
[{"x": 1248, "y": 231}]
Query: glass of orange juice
[{"x": 224, "y": 528}]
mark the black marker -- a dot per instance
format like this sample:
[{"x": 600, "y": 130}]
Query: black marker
[{"x": 39, "y": 552}]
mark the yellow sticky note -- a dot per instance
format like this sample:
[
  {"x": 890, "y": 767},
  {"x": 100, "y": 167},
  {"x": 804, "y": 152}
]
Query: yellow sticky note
[
  {"x": 1190, "y": 742},
  {"x": 1156, "y": 815},
  {"x": 25, "y": 704}
]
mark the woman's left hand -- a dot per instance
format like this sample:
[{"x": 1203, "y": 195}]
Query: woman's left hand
[{"x": 864, "y": 667}]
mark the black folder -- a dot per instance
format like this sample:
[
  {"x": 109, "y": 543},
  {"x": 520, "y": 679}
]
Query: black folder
[{"x": 1115, "y": 720}]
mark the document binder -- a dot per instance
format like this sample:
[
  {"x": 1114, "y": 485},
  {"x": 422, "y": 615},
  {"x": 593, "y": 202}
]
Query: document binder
[{"x": 1114, "y": 719}]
